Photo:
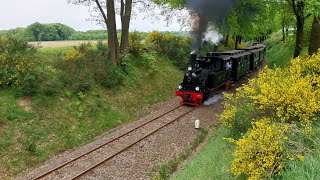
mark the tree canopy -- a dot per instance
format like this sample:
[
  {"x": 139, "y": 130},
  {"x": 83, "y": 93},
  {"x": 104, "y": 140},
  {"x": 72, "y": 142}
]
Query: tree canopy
[{"x": 256, "y": 19}]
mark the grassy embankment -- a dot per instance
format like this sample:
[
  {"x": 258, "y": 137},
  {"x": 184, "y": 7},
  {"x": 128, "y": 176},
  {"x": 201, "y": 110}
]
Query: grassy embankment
[
  {"x": 36, "y": 128},
  {"x": 213, "y": 161}
]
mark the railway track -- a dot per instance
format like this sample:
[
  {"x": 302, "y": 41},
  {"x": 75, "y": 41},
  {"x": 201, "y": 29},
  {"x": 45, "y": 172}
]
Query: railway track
[{"x": 156, "y": 123}]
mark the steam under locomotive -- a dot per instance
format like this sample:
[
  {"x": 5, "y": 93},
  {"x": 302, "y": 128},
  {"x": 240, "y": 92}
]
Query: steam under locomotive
[{"x": 216, "y": 70}]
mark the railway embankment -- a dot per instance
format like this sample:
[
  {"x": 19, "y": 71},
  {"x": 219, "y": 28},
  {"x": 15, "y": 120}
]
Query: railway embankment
[
  {"x": 70, "y": 106},
  {"x": 273, "y": 130}
]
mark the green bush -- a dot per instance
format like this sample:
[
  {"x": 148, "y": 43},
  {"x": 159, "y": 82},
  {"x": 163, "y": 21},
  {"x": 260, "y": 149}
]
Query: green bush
[
  {"x": 135, "y": 43},
  {"x": 175, "y": 47},
  {"x": 48, "y": 79},
  {"x": 278, "y": 113},
  {"x": 82, "y": 66},
  {"x": 18, "y": 62},
  {"x": 102, "y": 48},
  {"x": 109, "y": 76}
]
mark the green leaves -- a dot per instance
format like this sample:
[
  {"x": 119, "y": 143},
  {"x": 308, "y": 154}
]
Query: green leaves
[
  {"x": 313, "y": 7},
  {"x": 174, "y": 4}
]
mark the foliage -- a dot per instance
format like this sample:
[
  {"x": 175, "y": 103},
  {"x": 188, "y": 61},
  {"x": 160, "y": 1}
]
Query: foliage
[
  {"x": 312, "y": 7},
  {"x": 174, "y": 4},
  {"x": 135, "y": 43},
  {"x": 82, "y": 66},
  {"x": 280, "y": 53},
  {"x": 279, "y": 100},
  {"x": 17, "y": 33},
  {"x": 48, "y": 32},
  {"x": 261, "y": 152},
  {"x": 18, "y": 65},
  {"x": 48, "y": 80},
  {"x": 175, "y": 47},
  {"x": 69, "y": 120},
  {"x": 53, "y": 32},
  {"x": 290, "y": 94},
  {"x": 89, "y": 35}
]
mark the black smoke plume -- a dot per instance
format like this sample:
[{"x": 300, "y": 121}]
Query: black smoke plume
[{"x": 204, "y": 13}]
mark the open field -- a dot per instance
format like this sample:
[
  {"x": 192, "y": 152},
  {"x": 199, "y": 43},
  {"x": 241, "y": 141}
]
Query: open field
[{"x": 50, "y": 44}]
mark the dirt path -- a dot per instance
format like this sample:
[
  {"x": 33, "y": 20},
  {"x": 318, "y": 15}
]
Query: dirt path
[{"x": 139, "y": 161}]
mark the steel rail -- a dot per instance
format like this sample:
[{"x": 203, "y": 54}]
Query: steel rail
[
  {"x": 100, "y": 146},
  {"x": 124, "y": 149}
]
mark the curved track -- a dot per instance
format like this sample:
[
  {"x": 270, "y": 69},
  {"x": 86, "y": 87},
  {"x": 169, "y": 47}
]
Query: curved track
[{"x": 103, "y": 160}]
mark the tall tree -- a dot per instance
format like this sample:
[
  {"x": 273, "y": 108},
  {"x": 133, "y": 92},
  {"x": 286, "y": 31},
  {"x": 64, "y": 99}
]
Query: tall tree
[
  {"x": 298, "y": 7},
  {"x": 314, "y": 43},
  {"x": 113, "y": 43},
  {"x": 108, "y": 14},
  {"x": 125, "y": 14},
  {"x": 313, "y": 7},
  {"x": 284, "y": 17}
]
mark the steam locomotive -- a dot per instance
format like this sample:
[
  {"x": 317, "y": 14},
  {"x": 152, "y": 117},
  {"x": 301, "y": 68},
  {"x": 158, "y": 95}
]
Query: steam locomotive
[{"x": 215, "y": 71}]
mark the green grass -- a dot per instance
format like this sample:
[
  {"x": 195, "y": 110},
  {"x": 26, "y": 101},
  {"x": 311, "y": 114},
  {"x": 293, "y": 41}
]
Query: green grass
[
  {"x": 309, "y": 168},
  {"x": 279, "y": 54},
  {"x": 67, "y": 120},
  {"x": 54, "y": 50},
  {"x": 213, "y": 161}
]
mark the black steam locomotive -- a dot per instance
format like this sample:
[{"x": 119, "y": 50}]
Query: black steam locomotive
[{"x": 216, "y": 70}]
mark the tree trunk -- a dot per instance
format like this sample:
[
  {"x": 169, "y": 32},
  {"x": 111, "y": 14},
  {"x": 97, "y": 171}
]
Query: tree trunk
[
  {"x": 227, "y": 40},
  {"x": 236, "y": 43},
  {"x": 125, "y": 15},
  {"x": 299, "y": 38},
  {"x": 283, "y": 34},
  {"x": 283, "y": 25},
  {"x": 113, "y": 43},
  {"x": 314, "y": 43},
  {"x": 298, "y": 9}
]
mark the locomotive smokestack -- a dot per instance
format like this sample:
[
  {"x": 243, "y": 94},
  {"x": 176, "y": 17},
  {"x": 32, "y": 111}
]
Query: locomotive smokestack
[{"x": 193, "y": 57}]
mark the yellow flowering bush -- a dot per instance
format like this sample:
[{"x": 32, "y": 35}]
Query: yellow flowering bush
[
  {"x": 261, "y": 152},
  {"x": 73, "y": 55},
  {"x": 289, "y": 94},
  {"x": 275, "y": 114},
  {"x": 17, "y": 64}
]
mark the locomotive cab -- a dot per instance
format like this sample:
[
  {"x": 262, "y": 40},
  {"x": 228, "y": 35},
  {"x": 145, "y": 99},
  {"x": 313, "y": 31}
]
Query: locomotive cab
[{"x": 220, "y": 74}]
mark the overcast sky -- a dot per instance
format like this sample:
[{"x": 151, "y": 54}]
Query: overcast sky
[{"x": 21, "y": 13}]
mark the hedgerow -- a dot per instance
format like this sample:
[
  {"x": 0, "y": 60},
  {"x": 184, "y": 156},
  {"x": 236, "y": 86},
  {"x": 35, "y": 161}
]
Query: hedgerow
[
  {"x": 18, "y": 64},
  {"x": 83, "y": 66},
  {"x": 290, "y": 99},
  {"x": 175, "y": 47}
]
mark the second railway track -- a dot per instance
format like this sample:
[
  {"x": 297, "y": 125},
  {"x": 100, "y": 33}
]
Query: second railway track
[{"x": 82, "y": 164}]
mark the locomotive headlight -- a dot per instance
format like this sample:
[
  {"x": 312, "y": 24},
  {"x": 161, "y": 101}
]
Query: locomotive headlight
[
  {"x": 180, "y": 87},
  {"x": 197, "y": 88},
  {"x": 189, "y": 68}
]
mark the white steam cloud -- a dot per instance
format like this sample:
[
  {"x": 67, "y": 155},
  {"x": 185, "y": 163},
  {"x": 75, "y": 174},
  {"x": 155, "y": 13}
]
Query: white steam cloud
[
  {"x": 214, "y": 99},
  {"x": 212, "y": 36}
]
